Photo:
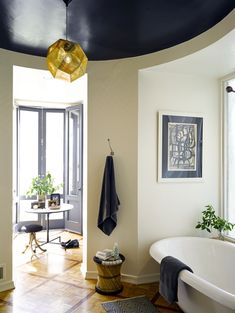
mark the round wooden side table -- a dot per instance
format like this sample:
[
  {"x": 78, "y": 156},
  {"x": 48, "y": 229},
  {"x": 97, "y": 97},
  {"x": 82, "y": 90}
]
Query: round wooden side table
[{"x": 109, "y": 276}]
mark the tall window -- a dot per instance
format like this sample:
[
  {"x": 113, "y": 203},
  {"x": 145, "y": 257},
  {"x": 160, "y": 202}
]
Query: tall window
[{"x": 229, "y": 155}]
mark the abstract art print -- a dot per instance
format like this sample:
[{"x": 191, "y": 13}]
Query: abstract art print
[{"x": 180, "y": 147}]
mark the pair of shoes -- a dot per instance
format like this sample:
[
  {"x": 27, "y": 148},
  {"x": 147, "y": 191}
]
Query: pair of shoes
[{"x": 71, "y": 244}]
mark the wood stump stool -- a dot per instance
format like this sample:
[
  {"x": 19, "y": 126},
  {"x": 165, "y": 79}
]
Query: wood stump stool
[{"x": 109, "y": 277}]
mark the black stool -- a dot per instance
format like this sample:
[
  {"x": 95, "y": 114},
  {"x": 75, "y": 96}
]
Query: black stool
[{"x": 32, "y": 229}]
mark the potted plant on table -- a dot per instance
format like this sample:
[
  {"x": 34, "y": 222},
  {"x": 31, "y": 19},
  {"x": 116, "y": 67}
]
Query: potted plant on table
[
  {"x": 42, "y": 186},
  {"x": 211, "y": 221}
]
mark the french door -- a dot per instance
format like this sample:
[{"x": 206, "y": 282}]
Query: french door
[
  {"x": 73, "y": 177},
  {"x": 50, "y": 140}
]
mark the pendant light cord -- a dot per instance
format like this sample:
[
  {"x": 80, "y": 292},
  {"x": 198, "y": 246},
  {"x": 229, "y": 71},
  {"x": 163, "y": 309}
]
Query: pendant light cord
[
  {"x": 66, "y": 18},
  {"x": 66, "y": 22}
]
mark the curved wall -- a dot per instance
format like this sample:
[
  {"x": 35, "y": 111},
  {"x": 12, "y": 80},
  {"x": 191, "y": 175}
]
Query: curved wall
[{"x": 112, "y": 113}]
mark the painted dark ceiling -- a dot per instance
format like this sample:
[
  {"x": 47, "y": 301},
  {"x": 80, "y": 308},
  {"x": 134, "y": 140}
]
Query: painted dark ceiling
[{"x": 107, "y": 29}]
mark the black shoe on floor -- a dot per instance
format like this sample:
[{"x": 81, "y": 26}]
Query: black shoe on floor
[
  {"x": 72, "y": 244},
  {"x": 63, "y": 244}
]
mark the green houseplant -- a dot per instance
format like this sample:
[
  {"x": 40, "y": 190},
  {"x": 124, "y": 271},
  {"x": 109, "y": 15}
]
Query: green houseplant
[
  {"x": 42, "y": 186},
  {"x": 211, "y": 221}
]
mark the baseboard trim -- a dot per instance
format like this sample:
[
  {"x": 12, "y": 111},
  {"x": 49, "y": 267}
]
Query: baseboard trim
[
  {"x": 136, "y": 280},
  {"x": 6, "y": 285},
  {"x": 141, "y": 279},
  {"x": 90, "y": 275}
]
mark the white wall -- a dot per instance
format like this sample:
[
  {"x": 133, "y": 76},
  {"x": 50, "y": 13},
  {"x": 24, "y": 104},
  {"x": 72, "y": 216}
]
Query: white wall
[
  {"x": 113, "y": 113},
  {"x": 173, "y": 209},
  {"x": 45, "y": 90}
]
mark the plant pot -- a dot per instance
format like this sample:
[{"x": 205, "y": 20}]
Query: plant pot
[
  {"x": 220, "y": 236},
  {"x": 42, "y": 201}
]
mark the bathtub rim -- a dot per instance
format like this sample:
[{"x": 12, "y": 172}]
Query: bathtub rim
[{"x": 223, "y": 297}]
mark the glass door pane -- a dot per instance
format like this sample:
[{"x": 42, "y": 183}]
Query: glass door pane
[
  {"x": 55, "y": 146},
  {"x": 28, "y": 160},
  {"x": 55, "y": 152},
  {"x": 74, "y": 154}
]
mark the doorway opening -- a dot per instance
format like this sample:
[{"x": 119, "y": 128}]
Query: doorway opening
[
  {"x": 50, "y": 141},
  {"x": 49, "y": 137}
]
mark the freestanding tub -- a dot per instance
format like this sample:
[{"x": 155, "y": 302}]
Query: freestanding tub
[{"x": 211, "y": 286}]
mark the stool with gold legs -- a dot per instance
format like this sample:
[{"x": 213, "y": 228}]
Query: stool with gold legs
[{"x": 33, "y": 244}]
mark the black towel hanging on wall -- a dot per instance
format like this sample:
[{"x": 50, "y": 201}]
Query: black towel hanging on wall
[{"x": 109, "y": 202}]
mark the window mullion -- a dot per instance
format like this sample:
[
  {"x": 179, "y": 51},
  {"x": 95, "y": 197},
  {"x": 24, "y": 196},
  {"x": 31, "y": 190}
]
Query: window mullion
[{"x": 42, "y": 142}]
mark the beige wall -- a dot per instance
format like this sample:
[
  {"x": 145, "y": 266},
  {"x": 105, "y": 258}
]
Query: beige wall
[
  {"x": 6, "y": 174},
  {"x": 112, "y": 113},
  {"x": 173, "y": 208},
  {"x": 7, "y": 60}
]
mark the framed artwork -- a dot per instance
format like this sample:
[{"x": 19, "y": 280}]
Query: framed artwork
[{"x": 180, "y": 148}]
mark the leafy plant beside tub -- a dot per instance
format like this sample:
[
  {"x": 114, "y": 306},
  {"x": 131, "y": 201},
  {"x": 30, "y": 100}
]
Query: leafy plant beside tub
[{"x": 211, "y": 221}]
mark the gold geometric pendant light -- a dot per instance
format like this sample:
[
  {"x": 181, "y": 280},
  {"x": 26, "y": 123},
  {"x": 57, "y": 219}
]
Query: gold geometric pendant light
[{"x": 65, "y": 59}]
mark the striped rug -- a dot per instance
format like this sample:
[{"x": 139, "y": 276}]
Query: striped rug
[{"x": 139, "y": 304}]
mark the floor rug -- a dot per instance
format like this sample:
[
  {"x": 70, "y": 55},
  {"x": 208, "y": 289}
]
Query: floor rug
[{"x": 139, "y": 304}]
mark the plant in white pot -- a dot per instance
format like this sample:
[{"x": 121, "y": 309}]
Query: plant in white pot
[
  {"x": 211, "y": 221},
  {"x": 42, "y": 186}
]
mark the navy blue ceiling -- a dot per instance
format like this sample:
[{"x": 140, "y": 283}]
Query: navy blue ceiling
[{"x": 107, "y": 29}]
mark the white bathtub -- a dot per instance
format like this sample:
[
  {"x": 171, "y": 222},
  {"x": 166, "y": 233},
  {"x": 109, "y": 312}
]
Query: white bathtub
[{"x": 211, "y": 286}]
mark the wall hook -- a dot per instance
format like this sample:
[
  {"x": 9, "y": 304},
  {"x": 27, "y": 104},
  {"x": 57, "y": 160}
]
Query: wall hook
[{"x": 111, "y": 150}]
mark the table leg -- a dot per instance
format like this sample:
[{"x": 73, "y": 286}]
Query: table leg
[
  {"x": 48, "y": 225},
  {"x": 48, "y": 229},
  {"x": 48, "y": 236}
]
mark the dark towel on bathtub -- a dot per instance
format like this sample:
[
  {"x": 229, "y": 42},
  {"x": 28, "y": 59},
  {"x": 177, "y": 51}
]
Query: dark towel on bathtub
[{"x": 170, "y": 268}]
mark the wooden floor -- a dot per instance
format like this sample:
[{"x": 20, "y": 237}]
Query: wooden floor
[{"x": 53, "y": 283}]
